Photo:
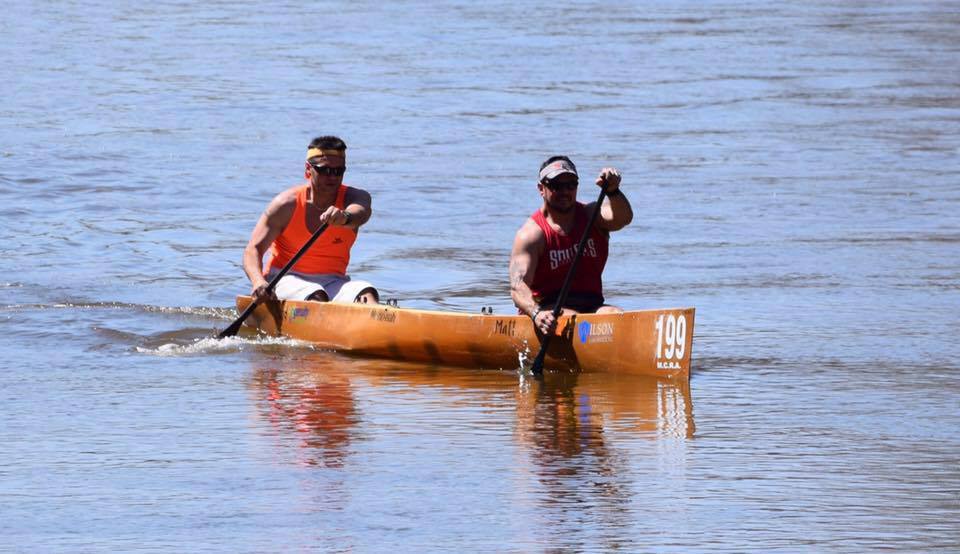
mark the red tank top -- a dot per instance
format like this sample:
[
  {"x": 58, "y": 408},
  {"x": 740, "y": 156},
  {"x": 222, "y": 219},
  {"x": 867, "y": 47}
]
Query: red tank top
[
  {"x": 329, "y": 254},
  {"x": 555, "y": 260}
]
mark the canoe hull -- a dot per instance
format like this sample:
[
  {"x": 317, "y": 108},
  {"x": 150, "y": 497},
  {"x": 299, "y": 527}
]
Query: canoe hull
[{"x": 646, "y": 342}]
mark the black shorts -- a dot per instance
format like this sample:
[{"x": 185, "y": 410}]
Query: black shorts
[{"x": 585, "y": 303}]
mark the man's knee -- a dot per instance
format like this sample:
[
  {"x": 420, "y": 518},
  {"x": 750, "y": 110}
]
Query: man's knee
[
  {"x": 319, "y": 296},
  {"x": 368, "y": 295}
]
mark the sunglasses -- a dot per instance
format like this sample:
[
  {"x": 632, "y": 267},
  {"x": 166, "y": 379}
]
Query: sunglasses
[
  {"x": 326, "y": 170},
  {"x": 561, "y": 185}
]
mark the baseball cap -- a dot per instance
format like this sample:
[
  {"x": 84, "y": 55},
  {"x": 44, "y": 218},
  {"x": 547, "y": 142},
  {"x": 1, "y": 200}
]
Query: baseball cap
[{"x": 557, "y": 167}]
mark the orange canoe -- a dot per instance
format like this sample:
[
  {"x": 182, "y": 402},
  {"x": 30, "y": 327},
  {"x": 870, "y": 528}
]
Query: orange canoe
[{"x": 645, "y": 342}]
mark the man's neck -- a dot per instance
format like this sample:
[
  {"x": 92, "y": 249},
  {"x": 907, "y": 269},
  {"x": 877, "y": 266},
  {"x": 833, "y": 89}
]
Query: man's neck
[
  {"x": 322, "y": 197},
  {"x": 564, "y": 220}
]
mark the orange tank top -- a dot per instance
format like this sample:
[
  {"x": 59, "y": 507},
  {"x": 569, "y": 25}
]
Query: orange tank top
[{"x": 329, "y": 254}]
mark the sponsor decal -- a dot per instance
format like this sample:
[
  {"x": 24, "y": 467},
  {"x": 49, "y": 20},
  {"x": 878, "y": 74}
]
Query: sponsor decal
[
  {"x": 668, "y": 365},
  {"x": 595, "y": 332},
  {"x": 384, "y": 315},
  {"x": 505, "y": 327},
  {"x": 294, "y": 314}
]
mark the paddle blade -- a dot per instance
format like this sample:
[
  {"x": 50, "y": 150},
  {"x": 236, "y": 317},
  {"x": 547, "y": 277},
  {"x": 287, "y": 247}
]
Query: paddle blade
[
  {"x": 234, "y": 327},
  {"x": 537, "y": 367},
  {"x": 232, "y": 330}
]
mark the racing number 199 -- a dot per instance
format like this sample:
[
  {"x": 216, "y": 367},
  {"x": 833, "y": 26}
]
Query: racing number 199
[{"x": 671, "y": 336}]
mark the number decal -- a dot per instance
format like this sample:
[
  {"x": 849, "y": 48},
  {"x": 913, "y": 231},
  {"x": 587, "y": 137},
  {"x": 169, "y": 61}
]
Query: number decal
[
  {"x": 659, "y": 336},
  {"x": 681, "y": 336},
  {"x": 668, "y": 331},
  {"x": 671, "y": 336}
]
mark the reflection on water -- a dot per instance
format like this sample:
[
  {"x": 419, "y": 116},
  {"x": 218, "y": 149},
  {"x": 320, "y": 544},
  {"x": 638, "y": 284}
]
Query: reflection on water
[
  {"x": 567, "y": 412},
  {"x": 574, "y": 426},
  {"x": 569, "y": 450},
  {"x": 313, "y": 409},
  {"x": 562, "y": 419},
  {"x": 562, "y": 425}
]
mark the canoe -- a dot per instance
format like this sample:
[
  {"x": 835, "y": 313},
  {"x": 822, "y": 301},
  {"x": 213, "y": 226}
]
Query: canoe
[{"x": 644, "y": 342}]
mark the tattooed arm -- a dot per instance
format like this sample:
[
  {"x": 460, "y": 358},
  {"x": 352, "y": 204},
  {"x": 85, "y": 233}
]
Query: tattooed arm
[{"x": 527, "y": 247}]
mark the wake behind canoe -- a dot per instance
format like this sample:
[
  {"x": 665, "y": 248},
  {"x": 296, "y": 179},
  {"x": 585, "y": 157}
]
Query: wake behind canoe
[{"x": 646, "y": 342}]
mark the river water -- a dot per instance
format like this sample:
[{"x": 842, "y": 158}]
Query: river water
[{"x": 793, "y": 168}]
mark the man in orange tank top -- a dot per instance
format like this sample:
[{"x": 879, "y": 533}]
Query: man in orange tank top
[
  {"x": 543, "y": 249},
  {"x": 292, "y": 217}
]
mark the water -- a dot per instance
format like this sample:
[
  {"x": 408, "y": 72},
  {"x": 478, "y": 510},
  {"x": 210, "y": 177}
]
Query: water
[{"x": 793, "y": 168}]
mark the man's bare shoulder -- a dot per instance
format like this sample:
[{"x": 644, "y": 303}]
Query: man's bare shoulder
[
  {"x": 356, "y": 195},
  {"x": 530, "y": 231},
  {"x": 284, "y": 203},
  {"x": 529, "y": 236},
  {"x": 288, "y": 196}
]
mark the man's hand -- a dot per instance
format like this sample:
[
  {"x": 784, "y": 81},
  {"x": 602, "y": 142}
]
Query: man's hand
[
  {"x": 609, "y": 177},
  {"x": 335, "y": 216},
  {"x": 544, "y": 321},
  {"x": 260, "y": 293}
]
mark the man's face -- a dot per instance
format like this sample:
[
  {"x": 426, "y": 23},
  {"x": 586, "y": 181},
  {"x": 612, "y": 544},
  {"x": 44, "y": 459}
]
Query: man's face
[
  {"x": 560, "y": 192},
  {"x": 326, "y": 171}
]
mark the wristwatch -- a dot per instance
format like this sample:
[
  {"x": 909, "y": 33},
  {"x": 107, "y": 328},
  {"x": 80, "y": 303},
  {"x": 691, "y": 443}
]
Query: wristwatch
[{"x": 347, "y": 217}]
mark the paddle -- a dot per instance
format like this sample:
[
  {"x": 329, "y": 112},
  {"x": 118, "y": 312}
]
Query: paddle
[
  {"x": 235, "y": 326},
  {"x": 537, "y": 367}
]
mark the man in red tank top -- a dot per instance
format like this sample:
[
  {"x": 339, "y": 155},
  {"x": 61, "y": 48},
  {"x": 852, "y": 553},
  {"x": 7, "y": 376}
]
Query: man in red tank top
[
  {"x": 544, "y": 247},
  {"x": 294, "y": 215}
]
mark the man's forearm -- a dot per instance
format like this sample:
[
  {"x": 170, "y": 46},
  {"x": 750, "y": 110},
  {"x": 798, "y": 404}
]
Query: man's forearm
[
  {"x": 252, "y": 266},
  {"x": 621, "y": 212}
]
